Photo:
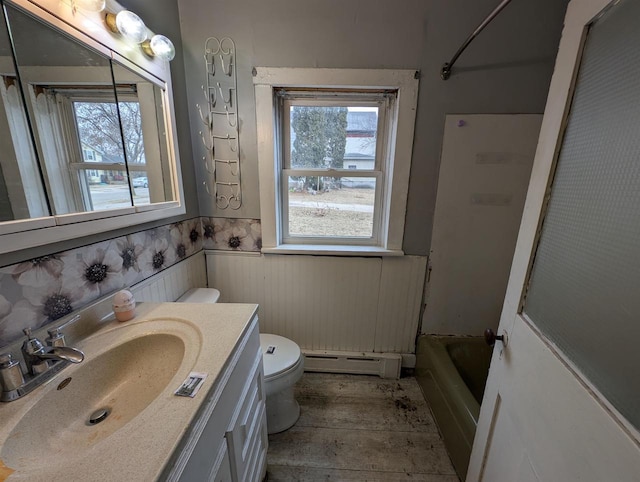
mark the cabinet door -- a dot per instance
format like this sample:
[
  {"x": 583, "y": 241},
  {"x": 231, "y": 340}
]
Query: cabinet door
[
  {"x": 206, "y": 454},
  {"x": 223, "y": 473},
  {"x": 246, "y": 436}
]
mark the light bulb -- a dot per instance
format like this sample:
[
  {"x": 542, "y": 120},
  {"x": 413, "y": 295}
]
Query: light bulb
[
  {"x": 160, "y": 46},
  {"x": 89, "y": 5},
  {"x": 129, "y": 25}
]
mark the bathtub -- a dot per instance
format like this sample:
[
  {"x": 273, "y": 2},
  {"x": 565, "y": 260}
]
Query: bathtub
[{"x": 452, "y": 372}]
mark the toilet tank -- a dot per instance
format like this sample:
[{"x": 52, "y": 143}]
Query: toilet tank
[{"x": 200, "y": 295}]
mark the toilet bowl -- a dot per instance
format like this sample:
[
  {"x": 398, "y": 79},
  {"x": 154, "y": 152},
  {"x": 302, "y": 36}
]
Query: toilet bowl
[{"x": 283, "y": 365}]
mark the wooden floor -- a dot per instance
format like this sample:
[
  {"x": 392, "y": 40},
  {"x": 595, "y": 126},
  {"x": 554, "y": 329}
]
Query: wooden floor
[{"x": 359, "y": 428}]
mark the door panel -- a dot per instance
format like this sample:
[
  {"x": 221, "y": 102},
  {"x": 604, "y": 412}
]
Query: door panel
[
  {"x": 541, "y": 417},
  {"x": 547, "y": 419},
  {"x": 507, "y": 445}
]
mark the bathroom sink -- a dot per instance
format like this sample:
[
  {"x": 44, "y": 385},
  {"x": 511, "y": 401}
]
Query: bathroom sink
[{"x": 125, "y": 371}]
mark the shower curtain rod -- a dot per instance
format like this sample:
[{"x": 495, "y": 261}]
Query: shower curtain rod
[{"x": 445, "y": 73}]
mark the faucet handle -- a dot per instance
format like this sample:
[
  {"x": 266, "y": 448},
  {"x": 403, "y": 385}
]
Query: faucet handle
[
  {"x": 11, "y": 376},
  {"x": 31, "y": 346},
  {"x": 56, "y": 338},
  {"x": 6, "y": 360}
]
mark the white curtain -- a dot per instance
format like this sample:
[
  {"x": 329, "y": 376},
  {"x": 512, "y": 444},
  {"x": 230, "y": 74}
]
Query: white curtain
[
  {"x": 19, "y": 163},
  {"x": 52, "y": 134}
]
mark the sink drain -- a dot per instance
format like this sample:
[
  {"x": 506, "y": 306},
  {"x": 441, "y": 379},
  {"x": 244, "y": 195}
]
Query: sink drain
[{"x": 98, "y": 416}]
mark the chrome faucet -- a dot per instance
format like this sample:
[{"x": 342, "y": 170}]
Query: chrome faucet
[
  {"x": 36, "y": 354},
  {"x": 42, "y": 363}
]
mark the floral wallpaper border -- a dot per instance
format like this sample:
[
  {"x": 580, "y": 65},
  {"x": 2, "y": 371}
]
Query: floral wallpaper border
[
  {"x": 231, "y": 234},
  {"x": 38, "y": 291}
]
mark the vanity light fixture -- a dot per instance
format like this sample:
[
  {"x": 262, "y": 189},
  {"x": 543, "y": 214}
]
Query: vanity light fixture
[
  {"x": 128, "y": 24},
  {"x": 89, "y": 5},
  {"x": 159, "y": 46}
]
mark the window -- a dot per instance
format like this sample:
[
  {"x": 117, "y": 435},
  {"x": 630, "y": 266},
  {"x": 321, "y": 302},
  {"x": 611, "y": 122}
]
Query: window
[
  {"x": 98, "y": 125},
  {"x": 334, "y": 164},
  {"x": 91, "y": 144},
  {"x": 88, "y": 154},
  {"x": 320, "y": 202}
]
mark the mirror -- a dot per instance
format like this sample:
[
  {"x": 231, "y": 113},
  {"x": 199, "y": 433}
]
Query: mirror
[
  {"x": 83, "y": 136},
  {"x": 142, "y": 114},
  {"x": 21, "y": 189},
  {"x": 71, "y": 103}
]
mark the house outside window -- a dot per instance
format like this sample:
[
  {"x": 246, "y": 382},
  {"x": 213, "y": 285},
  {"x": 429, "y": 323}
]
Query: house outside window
[
  {"x": 334, "y": 170},
  {"x": 88, "y": 154}
]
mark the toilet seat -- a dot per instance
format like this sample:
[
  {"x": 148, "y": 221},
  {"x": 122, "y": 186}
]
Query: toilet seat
[
  {"x": 279, "y": 355},
  {"x": 282, "y": 368}
]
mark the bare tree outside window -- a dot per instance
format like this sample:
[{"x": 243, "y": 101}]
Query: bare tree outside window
[
  {"x": 99, "y": 132},
  {"x": 99, "y": 128}
]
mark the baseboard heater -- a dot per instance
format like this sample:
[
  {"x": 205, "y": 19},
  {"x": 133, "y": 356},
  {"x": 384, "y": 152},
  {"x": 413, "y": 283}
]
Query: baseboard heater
[{"x": 385, "y": 365}]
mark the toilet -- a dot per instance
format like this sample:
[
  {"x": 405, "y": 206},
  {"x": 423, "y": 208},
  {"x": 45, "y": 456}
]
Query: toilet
[{"x": 283, "y": 366}]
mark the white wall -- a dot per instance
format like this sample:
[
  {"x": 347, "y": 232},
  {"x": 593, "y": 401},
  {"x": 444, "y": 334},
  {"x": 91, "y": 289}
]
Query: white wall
[
  {"x": 484, "y": 174},
  {"x": 327, "y": 303}
]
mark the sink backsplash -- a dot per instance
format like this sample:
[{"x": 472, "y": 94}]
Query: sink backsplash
[{"x": 44, "y": 289}]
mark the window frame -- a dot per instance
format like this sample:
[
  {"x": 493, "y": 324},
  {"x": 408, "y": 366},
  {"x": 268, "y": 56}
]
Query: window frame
[
  {"x": 79, "y": 170},
  {"x": 70, "y": 150},
  {"x": 398, "y": 143},
  {"x": 383, "y": 102},
  {"x": 75, "y": 160}
]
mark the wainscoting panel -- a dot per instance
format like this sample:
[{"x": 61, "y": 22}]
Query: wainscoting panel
[
  {"x": 170, "y": 284},
  {"x": 327, "y": 303},
  {"x": 399, "y": 303}
]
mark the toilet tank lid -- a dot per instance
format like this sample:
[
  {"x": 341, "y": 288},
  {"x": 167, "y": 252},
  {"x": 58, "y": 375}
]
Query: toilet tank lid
[
  {"x": 200, "y": 295},
  {"x": 278, "y": 354}
]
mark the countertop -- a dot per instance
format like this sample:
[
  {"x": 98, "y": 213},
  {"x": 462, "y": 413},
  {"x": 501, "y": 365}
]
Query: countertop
[{"x": 140, "y": 448}]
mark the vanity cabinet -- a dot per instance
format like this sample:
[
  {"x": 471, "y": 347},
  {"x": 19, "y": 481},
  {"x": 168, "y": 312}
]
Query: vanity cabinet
[{"x": 228, "y": 439}]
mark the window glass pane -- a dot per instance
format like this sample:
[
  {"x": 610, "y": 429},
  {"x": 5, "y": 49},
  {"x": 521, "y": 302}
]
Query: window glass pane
[
  {"x": 331, "y": 206},
  {"x": 99, "y": 131},
  {"x": 337, "y": 137},
  {"x": 106, "y": 189},
  {"x": 132, "y": 131},
  {"x": 140, "y": 184},
  {"x": 100, "y": 142},
  {"x": 583, "y": 291}
]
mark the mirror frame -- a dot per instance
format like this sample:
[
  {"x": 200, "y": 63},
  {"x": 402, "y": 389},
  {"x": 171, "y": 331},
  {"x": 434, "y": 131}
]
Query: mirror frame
[{"x": 89, "y": 29}]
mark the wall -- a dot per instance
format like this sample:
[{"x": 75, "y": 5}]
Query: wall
[
  {"x": 41, "y": 290},
  {"x": 484, "y": 174},
  {"x": 373, "y": 307},
  {"x": 506, "y": 70},
  {"x": 160, "y": 16}
]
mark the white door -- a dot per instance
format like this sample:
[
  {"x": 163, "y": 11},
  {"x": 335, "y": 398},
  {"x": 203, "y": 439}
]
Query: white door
[{"x": 562, "y": 401}]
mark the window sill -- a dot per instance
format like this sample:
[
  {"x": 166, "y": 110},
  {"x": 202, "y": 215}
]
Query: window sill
[{"x": 335, "y": 250}]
